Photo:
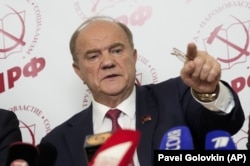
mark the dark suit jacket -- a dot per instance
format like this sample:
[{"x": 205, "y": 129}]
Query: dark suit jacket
[
  {"x": 168, "y": 103},
  {"x": 9, "y": 133}
]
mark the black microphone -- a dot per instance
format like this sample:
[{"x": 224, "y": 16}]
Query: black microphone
[
  {"x": 22, "y": 154},
  {"x": 177, "y": 138},
  {"x": 219, "y": 140},
  {"x": 248, "y": 143},
  {"x": 93, "y": 142},
  {"x": 47, "y": 154}
]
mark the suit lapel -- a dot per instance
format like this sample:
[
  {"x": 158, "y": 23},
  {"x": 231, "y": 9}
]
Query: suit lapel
[
  {"x": 146, "y": 118},
  {"x": 75, "y": 137}
]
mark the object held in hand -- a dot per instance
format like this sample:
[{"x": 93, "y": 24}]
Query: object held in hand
[
  {"x": 203, "y": 97},
  {"x": 180, "y": 55}
]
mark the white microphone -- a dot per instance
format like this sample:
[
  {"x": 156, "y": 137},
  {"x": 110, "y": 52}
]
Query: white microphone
[
  {"x": 117, "y": 150},
  {"x": 177, "y": 138}
]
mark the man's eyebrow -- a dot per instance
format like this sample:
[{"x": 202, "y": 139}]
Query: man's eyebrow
[
  {"x": 99, "y": 50},
  {"x": 116, "y": 45},
  {"x": 91, "y": 51}
]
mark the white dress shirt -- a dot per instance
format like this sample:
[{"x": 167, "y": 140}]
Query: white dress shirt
[{"x": 126, "y": 119}]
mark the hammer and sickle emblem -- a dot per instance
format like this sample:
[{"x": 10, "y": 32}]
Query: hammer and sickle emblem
[
  {"x": 243, "y": 51},
  {"x": 18, "y": 40}
]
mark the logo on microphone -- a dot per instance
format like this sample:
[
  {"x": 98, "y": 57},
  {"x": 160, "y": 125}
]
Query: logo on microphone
[
  {"x": 220, "y": 142},
  {"x": 117, "y": 150},
  {"x": 174, "y": 140},
  {"x": 177, "y": 138},
  {"x": 97, "y": 139}
]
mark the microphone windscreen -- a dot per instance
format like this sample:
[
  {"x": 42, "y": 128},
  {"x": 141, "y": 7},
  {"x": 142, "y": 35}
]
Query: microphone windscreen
[
  {"x": 47, "y": 154},
  {"x": 219, "y": 140},
  {"x": 177, "y": 138},
  {"x": 118, "y": 150},
  {"x": 20, "y": 152}
]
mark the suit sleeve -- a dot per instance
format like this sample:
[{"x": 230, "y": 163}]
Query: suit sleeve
[
  {"x": 178, "y": 107},
  {"x": 202, "y": 120}
]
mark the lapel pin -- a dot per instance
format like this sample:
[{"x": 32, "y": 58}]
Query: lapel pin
[{"x": 145, "y": 119}]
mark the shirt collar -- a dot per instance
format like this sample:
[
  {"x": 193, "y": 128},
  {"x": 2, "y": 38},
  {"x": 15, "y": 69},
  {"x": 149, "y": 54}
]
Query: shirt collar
[{"x": 127, "y": 107}]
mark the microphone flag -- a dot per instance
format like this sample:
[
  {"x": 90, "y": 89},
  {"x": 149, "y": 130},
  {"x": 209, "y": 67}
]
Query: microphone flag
[{"x": 118, "y": 150}]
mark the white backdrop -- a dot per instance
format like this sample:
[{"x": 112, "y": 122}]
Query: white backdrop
[{"x": 37, "y": 81}]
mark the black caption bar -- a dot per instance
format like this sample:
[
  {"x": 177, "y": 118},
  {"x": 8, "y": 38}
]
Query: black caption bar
[{"x": 184, "y": 157}]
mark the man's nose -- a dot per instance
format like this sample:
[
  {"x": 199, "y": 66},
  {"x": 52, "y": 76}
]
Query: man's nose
[{"x": 107, "y": 61}]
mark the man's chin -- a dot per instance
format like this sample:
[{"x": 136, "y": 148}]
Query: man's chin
[{"x": 113, "y": 92}]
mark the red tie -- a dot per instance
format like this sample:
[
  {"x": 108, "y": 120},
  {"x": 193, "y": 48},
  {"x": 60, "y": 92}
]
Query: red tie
[{"x": 113, "y": 114}]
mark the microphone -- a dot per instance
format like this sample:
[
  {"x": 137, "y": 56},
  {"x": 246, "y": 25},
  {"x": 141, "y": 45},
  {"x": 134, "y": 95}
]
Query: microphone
[
  {"x": 118, "y": 149},
  {"x": 21, "y": 154},
  {"x": 248, "y": 143},
  {"x": 93, "y": 142},
  {"x": 219, "y": 140},
  {"x": 177, "y": 138},
  {"x": 47, "y": 154}
]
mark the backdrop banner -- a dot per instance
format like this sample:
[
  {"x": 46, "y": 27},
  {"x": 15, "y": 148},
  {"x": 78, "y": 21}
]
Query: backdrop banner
[{"x": 37, "y": 80}]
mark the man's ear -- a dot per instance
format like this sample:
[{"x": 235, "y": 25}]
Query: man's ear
[
  {"x": 76, "y": 69},
  {"x": 135, "y": 54}
]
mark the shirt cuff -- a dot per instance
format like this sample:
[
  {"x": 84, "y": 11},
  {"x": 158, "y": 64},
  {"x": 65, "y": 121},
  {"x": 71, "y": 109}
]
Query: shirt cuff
[{"x": 224, "y": 102}]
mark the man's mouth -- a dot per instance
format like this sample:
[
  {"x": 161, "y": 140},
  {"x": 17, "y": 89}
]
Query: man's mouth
[{"x": 111, "y": 76}]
